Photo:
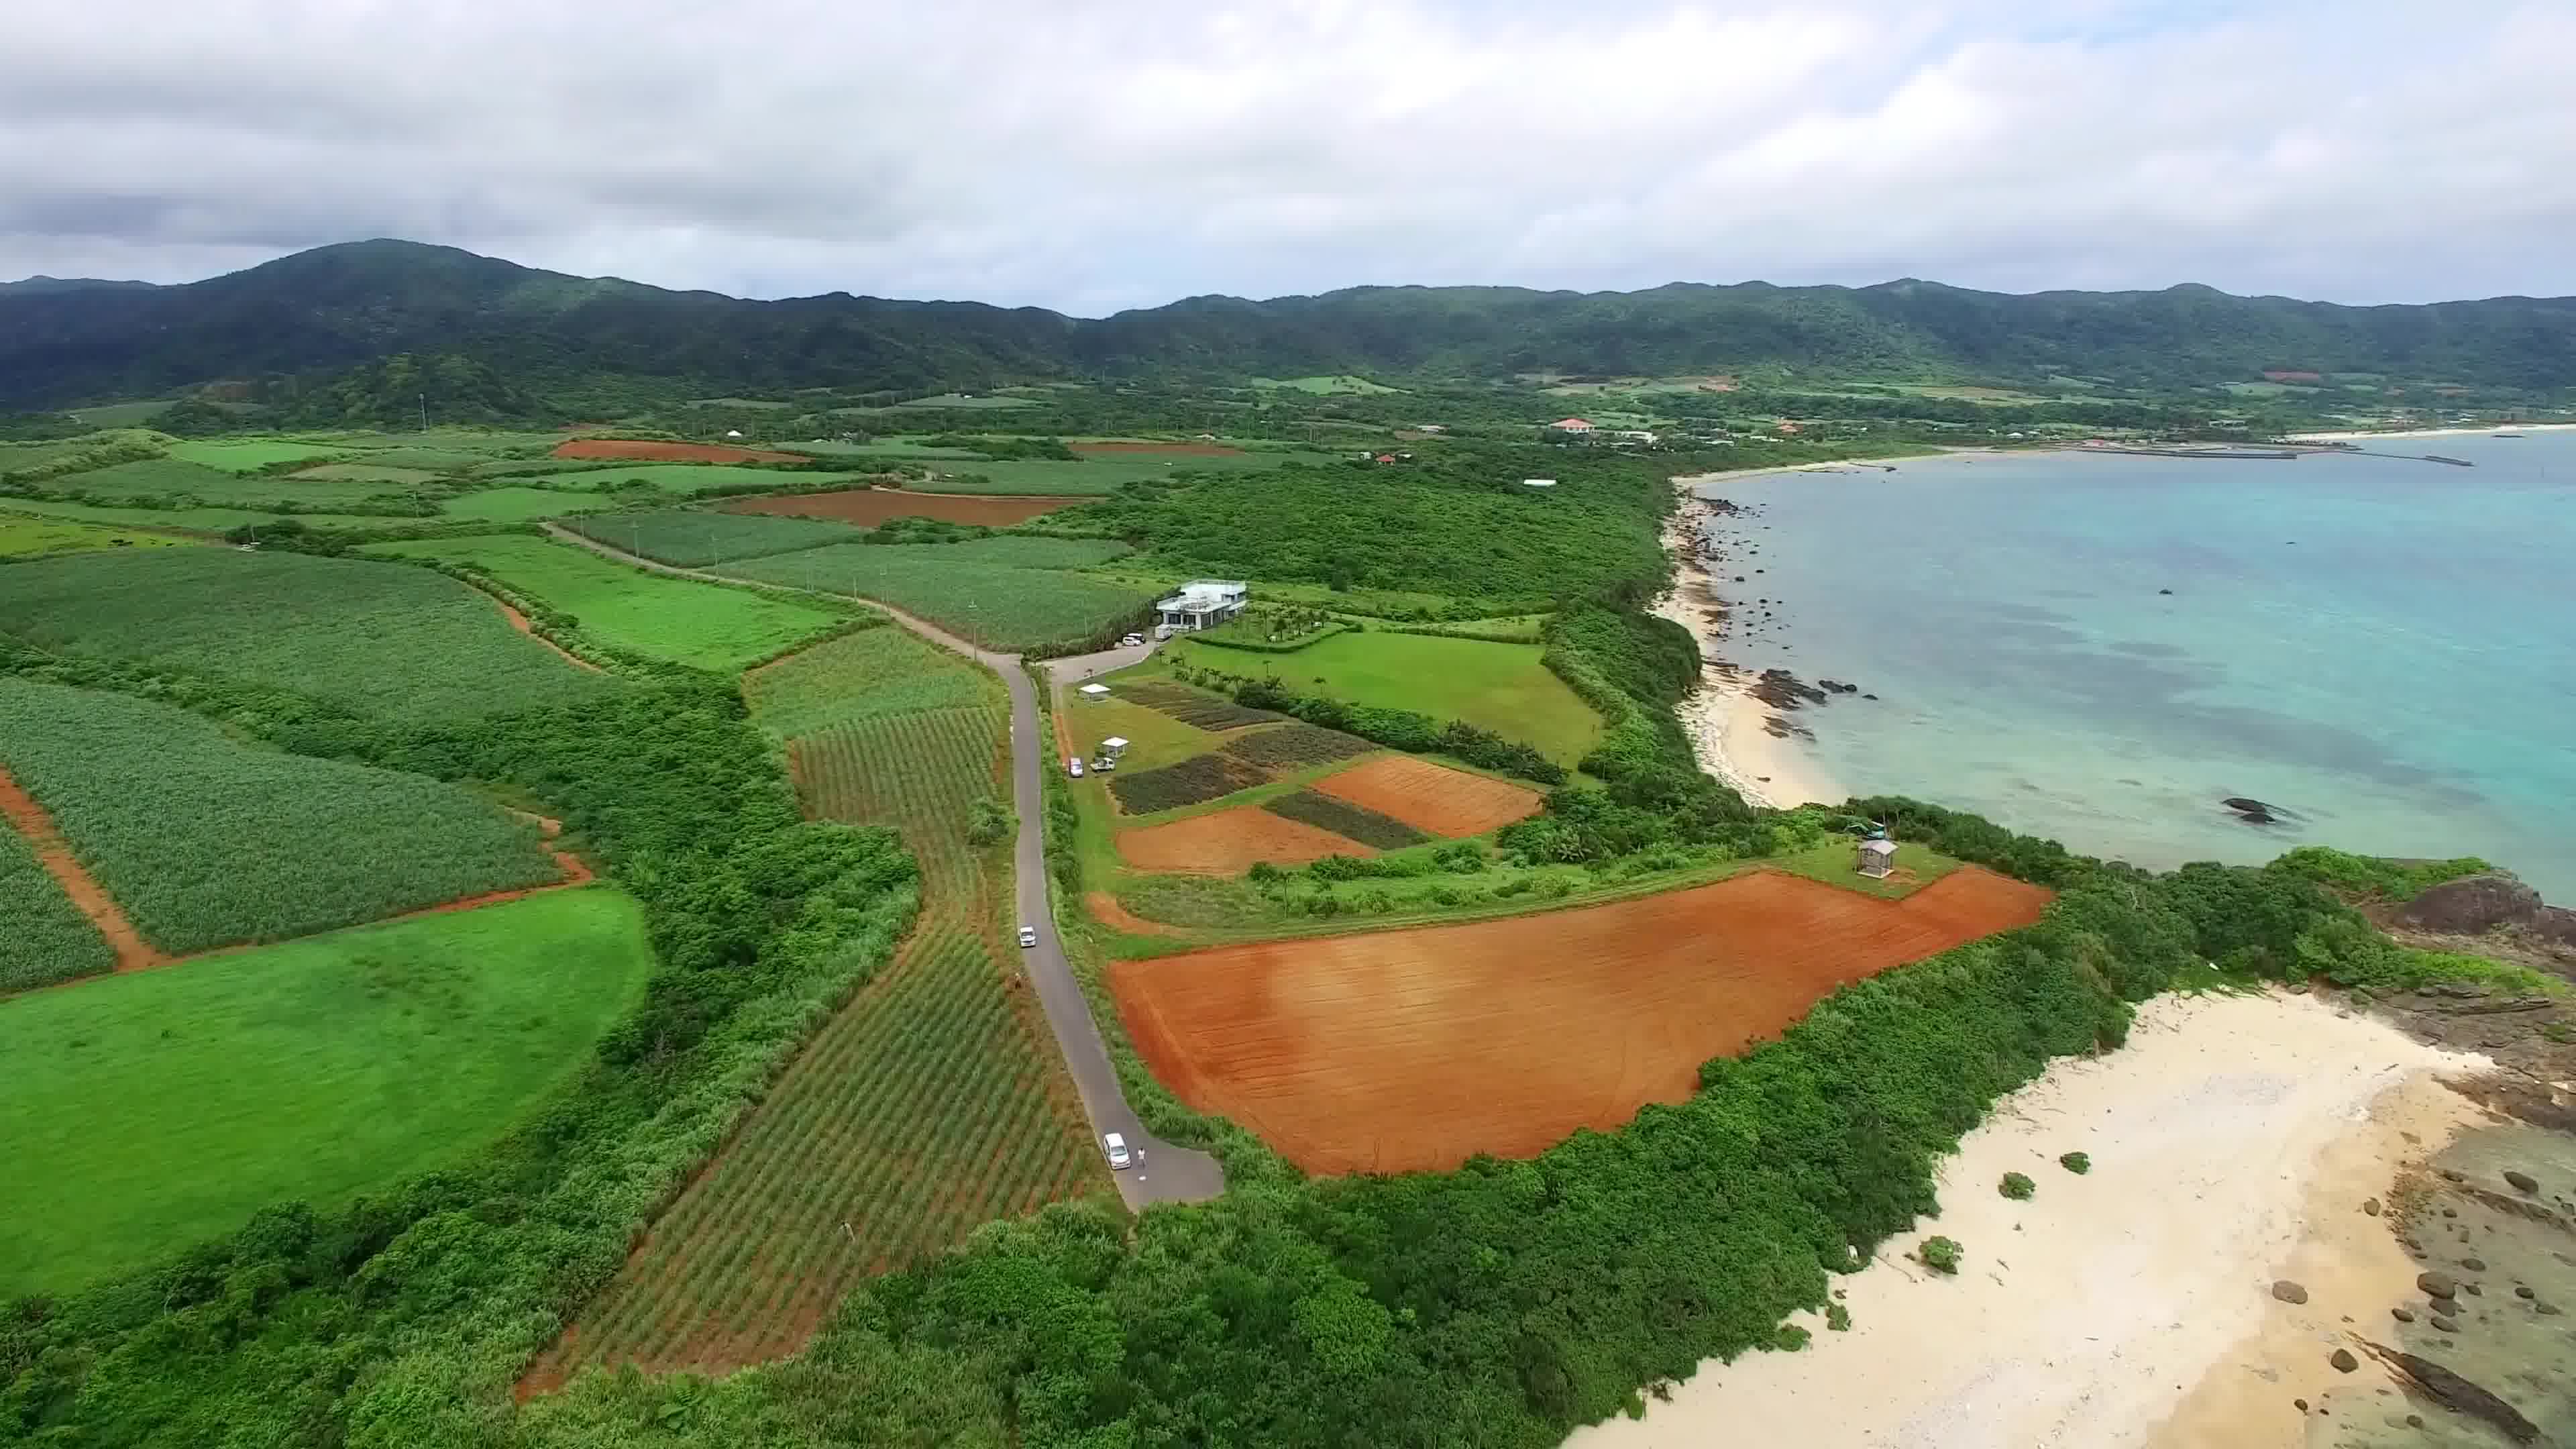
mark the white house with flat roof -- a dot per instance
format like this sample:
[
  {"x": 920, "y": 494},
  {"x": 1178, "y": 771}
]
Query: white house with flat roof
[{"x": 1199, "y": 604}]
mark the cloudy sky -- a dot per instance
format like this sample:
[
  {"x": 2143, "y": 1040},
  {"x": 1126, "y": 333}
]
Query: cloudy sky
[{"x": 1097, "y": 154}]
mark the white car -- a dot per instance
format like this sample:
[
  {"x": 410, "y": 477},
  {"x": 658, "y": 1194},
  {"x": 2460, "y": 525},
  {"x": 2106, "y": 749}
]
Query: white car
[
  {"x": 1028, "y": 935},
  {"x": 1073, "y": 768},
  {"x": 1116, "y": 1147},
  {"x": 1131, "y": 641}
]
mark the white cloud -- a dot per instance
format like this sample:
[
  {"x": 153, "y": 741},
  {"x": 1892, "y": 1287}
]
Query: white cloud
[{"x": 1090, "y": 157}]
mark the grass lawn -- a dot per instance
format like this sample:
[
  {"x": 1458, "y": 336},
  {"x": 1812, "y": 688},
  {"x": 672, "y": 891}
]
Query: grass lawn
[
  {"x": 1009, "y": 594},
  {"x": 1327, "y": 386},
  {"x": 387, "y": 639},
  {"x": 1837, "y": 863},
  {"x": 1502, "y": 687},
  {"x": 704, "y": 625},
  {"x": 144, "y": 1113},
  {"x": 247, "y": 457},
  {"x": 518, "y": 505},
  {"x": 400, "y": 478},
  {"x": 1154, "y": 738},
  {"x": 36, "y": 537}
]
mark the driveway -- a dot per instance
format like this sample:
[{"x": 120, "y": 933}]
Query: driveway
[{"x": 1165, "y": 1173}]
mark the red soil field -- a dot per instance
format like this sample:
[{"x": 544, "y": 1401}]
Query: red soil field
[
  {"x": 637, "y": 451},
  {"x": 1414, "y": 1050},
  {"x": 1432, "y": 797},
  {"x": 1229, "y": 842},
  {"x": 1168, "y": 450},
  {"x": 872, "y": 506}
]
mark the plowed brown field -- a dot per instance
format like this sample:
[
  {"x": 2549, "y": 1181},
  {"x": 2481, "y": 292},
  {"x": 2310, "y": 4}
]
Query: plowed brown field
[
  {"x": 1172, "y": 450},
  {"x": 1415, "y": 1050},
  {"x": 872, "y": 506},
  {"x": 1432, "y": 797},
  {"x": 1229, "y": 842},
  {"x": 636, "y": 450}
]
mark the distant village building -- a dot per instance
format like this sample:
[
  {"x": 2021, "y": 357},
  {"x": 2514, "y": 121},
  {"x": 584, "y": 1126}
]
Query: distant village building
[
  {"x": 1570, "y": 428},
  {"x": 1200, "y": 604},
  {"x": 1538, "y": 482},
  {"x": 1634, "y": 435},
  {"x": 1429, "y": 428},
  {"x": 1877, "y": 857}
]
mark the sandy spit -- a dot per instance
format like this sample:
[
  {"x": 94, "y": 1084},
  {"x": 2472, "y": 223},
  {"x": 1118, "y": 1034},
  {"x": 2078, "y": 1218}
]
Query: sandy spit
[{"x": 2233, "y": 1141}]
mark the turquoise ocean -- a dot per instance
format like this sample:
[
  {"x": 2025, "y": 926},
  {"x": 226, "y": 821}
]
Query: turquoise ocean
[{"x": 2384, "y": 650}]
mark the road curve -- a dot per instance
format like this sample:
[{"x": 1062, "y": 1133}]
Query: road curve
[{"x": 1164, "y": 1173}]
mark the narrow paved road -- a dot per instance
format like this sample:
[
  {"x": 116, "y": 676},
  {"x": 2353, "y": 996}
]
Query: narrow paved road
[{"x": 1165, "y": 1173}]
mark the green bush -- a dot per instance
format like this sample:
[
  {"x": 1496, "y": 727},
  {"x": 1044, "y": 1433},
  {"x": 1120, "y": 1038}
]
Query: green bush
[
  {"x": 2370, "y": 875},
  {"x": 2076, "y": 1162},
  {"x": 1837, "y": 1318},
  {"x": 1941, "y": 1255},
  {"x": 2017, "y": 1186}
]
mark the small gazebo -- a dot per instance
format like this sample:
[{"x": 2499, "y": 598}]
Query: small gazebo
[{"x": 1877, "y": 857}]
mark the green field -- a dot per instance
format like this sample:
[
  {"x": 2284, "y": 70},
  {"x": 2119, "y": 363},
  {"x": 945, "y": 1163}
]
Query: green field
[
  {"x": 519, "y": 505},
  {"x": 122, "y": 415},
  {"x": 207, "y": 842},
  {"x": 1003, "y": 593},
  {"x": 164, "y": 477},
  {"x": 25, "y": 538},
  {"x": 1502, "y": 687},
  {"x": 249, "y": 456},
  {"x": 707, "y": 626},
  {"x": 386, "y": 639},
  {"x": 890, "y": 449},
  {"x": 46, "y": 939},
  {"x": 970, "y": 401},
  {"x": 687, "y": 538},
  {"x": 860, "y": 677},
  {"x": 1093, "y": 477},
  {"x": 428, "y": 460},
  {"x": 683, "y": 478},
  {"x": 144, "y": 1113},
  {"x": 195, "y": 520},
  {"x": 366, "y": 473}
]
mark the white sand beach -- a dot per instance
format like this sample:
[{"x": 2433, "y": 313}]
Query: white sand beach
[
  {"x": 2233, "y": 1142},
  {"x": 1724, "y": 721}
]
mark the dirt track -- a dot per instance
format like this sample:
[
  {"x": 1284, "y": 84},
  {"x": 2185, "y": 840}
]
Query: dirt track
[
  {"x": 1432, "y": 797},
  {"x": 20, "y": 809},
  {"x": 1415, "y": 1050}
]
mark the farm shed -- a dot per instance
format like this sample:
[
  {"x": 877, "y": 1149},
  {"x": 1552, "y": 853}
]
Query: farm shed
[
  {"x": 1538, "y": 482},
  {"x": 1095, "y": 691},
  {"x": 1877, "y": 857}
]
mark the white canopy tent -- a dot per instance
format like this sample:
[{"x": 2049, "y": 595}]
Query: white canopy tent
[
  {"x": 1113, "y": 743},
  {"x": 1094, "y": 691}
]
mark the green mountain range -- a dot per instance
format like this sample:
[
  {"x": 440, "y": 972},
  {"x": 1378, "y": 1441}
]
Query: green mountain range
[{"x": 320, "y": 313}]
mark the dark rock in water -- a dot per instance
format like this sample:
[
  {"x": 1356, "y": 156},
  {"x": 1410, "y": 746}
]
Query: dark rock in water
[
  {"x": 2474, "y": 1265},
  {"x": 2445, "y": 1323},
  {"x": 2437, "y": 1285},
  {"x": 2370, "y": 1205},
  {"x": 2402, "y": 1315},
  {"x": 2523, "y": 1290},
  {"x": 2456, "y": 1393},
  {"x": 2473, "y": 1290},
  {"x": 2545, "y": 1310},
  {"x": 2521, "y": 1181},
  {"x": 2164, "y": 591},
  {"x": 2343, "y": 1361},
  {"x": 2251, "y": 811},
  {"x": 2472, "y": 905},
  {"x": 2289, "y": 1292},
  {"x": 1869, "y": 696}
]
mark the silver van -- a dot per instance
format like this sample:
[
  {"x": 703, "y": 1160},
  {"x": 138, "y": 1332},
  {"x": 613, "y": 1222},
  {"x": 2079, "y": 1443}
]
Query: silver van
[{"x": 1116, "y": 1147}]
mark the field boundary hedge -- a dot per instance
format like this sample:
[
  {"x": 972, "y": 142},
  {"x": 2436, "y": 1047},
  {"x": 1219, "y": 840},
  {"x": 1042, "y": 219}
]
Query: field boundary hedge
[{"x": 1399, "y": 729}]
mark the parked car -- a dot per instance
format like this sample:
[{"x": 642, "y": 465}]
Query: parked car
[
  {"x": 1103, "y": 765},
  {"x": 1131, "y": 641},
  {"x": 1073, "y": 768},
  {"x": 1116, "y": 1147},
  {"x": 1028, "y": 935}
]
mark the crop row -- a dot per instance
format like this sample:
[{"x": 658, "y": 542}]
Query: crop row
[
  {"x": 1292, "y": 745},
  {"x": 47, "y": 939},
  {"x": 1194, "y": 707},
  {"x": 1193, "y": 781},
  {"x": 690, "y": 538},
  {"x": 206, "y": 842},
  {"x": 1349, "y": 821},
  {"x": 931, "y": 1104},
  {"x": 872, "y": 674}
]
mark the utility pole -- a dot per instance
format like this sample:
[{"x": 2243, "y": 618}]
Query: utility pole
[{"x": 424, "y": 412}]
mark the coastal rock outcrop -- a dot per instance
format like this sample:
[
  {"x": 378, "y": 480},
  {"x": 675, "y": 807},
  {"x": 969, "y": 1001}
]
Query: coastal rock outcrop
[{"x": 2473, "y": 905}]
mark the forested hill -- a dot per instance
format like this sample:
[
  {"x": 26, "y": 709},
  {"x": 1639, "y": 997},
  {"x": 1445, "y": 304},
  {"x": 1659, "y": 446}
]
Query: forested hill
[{"x": 335, "y": 307}]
